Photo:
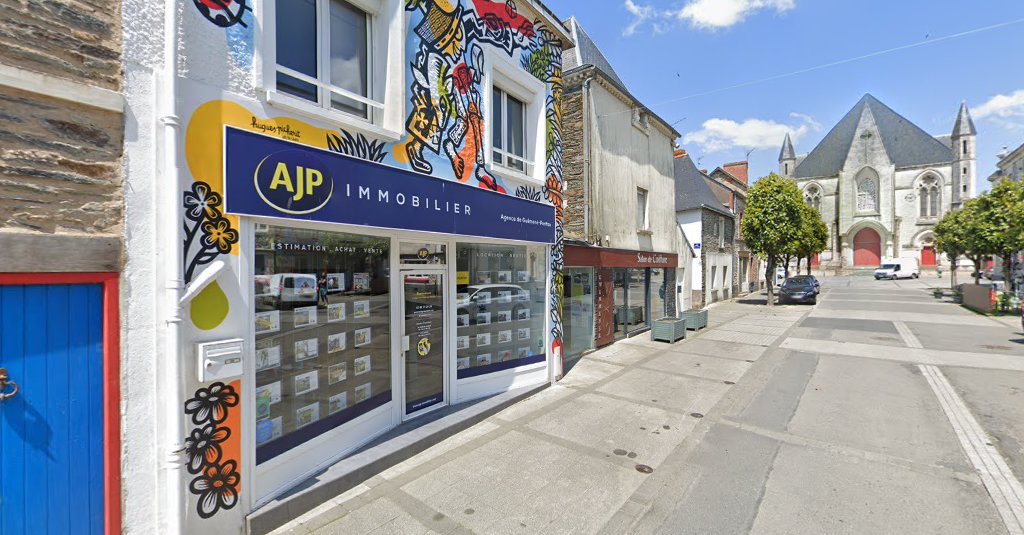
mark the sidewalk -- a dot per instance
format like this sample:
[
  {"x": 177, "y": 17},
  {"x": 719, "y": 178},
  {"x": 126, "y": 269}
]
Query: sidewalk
[{"x": 571, "y": 458}]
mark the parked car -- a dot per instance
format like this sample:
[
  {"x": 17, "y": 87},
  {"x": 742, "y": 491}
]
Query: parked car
[
  {"x": 291, "y": 289},
  {"x": 902, "y": 268},
  {"x": 812, "y": 278},
  {"x": 798, "y": 290}
]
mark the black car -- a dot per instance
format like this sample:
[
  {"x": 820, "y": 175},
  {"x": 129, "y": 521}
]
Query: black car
[
  {"x": 812, "y": 278},
  {"x": 798, "y": 290}
]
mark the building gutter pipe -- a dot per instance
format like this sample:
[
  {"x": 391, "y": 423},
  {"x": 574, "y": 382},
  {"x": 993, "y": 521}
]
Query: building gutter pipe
[
  {"x": 587, "y": 193},
  {"x": 170, "y": 379}
]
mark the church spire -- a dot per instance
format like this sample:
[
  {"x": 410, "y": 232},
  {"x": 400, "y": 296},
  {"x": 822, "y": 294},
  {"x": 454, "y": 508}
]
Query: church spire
[
  {"x": 787, "y": 152},
  {"x": 964, "y": 125}
]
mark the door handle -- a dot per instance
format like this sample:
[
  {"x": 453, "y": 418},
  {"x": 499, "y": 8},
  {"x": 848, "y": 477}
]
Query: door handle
[{"x": 3, "y": 385}]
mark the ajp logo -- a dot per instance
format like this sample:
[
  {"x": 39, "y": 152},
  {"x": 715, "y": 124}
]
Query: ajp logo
[{"x": 294, "y": 182}]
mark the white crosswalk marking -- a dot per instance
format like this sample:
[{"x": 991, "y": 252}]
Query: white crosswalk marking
[
  {"x": 908, "y": 336},
  {"x": 1006, "y": 492}
]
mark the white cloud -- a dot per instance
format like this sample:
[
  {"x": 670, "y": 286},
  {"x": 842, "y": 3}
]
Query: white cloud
[
  {"x": 704, "y": 14},
  {"x": 1005, "y": 110},
  {"x": 717, "y": 135}
]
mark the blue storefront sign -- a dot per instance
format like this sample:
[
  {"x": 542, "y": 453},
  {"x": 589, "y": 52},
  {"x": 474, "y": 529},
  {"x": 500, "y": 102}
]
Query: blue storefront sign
[{"x": 266, "y": 176}]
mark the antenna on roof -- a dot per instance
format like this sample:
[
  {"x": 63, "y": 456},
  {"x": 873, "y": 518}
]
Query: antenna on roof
[{"x": 748, "y": 153}]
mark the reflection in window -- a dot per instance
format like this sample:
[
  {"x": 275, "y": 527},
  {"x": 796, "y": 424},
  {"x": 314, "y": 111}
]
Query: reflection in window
[
  {"x": 323, "y": 323},
  {"x": 500, "y": 307}
]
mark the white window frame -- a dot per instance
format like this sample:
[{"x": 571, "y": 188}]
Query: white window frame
[
  {"x": 385, "y": 66},
  {"x": 510, "y": 77},
  {"x": 645, "y": 209}
]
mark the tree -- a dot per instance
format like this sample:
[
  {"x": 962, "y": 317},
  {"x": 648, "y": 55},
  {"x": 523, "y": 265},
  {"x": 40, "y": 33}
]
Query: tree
[
  {"x": 813, "y": 236},
  {"x": 1003, "y": 212},
  {"x": 772, "y": 222},
  {"x": 951, "y": 239}
]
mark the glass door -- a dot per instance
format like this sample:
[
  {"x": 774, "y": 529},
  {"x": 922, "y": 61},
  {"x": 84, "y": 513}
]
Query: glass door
[{"x": 423, "y": 340}]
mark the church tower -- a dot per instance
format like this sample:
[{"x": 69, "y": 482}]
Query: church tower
[
  {"x": 964, "y": 141},
  {"x": 787, "y": 158}
]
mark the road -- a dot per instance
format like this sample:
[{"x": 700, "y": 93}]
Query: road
[{"x": 879, "y": 410}]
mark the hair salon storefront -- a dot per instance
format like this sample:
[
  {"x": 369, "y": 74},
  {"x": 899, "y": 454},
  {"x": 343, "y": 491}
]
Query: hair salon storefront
[
  {"x": 377, "y": 295},
  {"x": 623, "y": 291}
]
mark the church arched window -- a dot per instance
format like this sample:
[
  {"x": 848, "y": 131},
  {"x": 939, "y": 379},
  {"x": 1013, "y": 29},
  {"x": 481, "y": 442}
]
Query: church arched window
[
  {"x": 929, "y": 196},
  {"x": 867, "y": 194},
  {"x": 813, "y": 197}
]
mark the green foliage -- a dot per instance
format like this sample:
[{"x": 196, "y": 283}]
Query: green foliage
[
  {"x": 992, "y": 223},
  {"x": 772, "y": 221},
  {"x": 813, "y": 233}
]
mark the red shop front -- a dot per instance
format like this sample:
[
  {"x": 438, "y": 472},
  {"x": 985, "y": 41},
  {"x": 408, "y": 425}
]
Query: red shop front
[{"x": 629, "y": 290}]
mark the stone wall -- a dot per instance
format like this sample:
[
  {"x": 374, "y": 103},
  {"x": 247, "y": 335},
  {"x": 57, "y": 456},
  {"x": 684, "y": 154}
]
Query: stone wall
[
  {"x": 60, "y": 160},
  {"x": 572, "y": 162},
  {"x": 716, "y": 256},
  {"x": 60, "y": 168},
  {"x": 79, "y": 40}
]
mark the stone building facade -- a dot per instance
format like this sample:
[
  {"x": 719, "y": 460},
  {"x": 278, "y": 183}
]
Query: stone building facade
[
  {"x": 709, "y": 226},
  {"x": 61, "y": 200},
  {"x": 729, "y": 184},
  {"x": 881, "y": 183},
  {"x": 619, "y": 214}
]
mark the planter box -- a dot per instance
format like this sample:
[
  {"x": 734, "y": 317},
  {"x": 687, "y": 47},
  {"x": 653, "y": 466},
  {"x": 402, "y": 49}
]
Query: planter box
[
  {"x": 669, "y": 329},
  {"x": 979, "y": 298},
  {"x": 696, "y": 319}
]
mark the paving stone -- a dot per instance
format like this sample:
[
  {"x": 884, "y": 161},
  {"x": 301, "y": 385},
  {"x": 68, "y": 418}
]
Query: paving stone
[
  {"x": 672, "y": 391},
  {"x": 700, "y": 366},
  {"x": 740, "y": 337}
]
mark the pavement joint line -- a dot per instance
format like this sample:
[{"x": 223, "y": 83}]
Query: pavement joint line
[
  {"x": 590, "y": 451},
  {"x": 687, "y": 375},
  {"x": 738, "y": 395},
  {"x": 908, "y": 336},
  {"x": 1006, "y": 492},
  {"x": 683, "y": 412},
  {"x": 963, "y": 359},
  {"x": 797, "y": 440}
]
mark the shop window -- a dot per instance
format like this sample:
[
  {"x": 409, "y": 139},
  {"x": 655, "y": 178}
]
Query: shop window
[
  {"x": 501, "y": 302},
  {"x": 636, "y": 316},
  {"x": 508, "y": 131},
  {"x": 578, "y": 317},
  {"x": 657, "y": 291},
  {"x": 323, "y": 342},
  {"x": 331, "y": 59}
]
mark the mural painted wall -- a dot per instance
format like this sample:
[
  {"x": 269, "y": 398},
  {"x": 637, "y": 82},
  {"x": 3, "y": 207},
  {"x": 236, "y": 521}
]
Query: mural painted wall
[{"x": 444, "y": 136}]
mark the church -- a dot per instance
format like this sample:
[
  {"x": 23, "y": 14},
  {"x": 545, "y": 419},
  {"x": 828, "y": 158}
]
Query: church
[{"x": 881, "y": 183}]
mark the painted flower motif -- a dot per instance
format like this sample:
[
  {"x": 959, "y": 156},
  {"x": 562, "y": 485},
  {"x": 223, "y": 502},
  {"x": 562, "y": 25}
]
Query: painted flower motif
[
  {"x": 463, "y": 78},
  {"x": 217, "y": 488},
  {"x": 202, "y": 202},
  {"x": 219, "y": 234},
  {"x": 210, "y": 405},
  {"x": 202, "y": 447}
]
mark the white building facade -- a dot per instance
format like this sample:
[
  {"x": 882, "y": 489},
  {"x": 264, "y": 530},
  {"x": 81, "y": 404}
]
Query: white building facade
[
  {"x": 881, "y": 183},
  {"x": 340, "y": 215}
]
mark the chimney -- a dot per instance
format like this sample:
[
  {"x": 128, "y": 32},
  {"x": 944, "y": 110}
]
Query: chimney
[
  {"x": 738, "y": 170},
  {"x": 680, "y": 153}
]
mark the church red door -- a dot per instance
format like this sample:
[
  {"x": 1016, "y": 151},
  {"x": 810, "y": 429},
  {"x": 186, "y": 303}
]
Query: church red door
[
  {"x": 928, "y": 255},
  {"x": 867, "y": 248}
]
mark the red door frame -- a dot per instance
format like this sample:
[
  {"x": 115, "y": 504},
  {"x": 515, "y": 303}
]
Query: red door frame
[
  {"x": 928, "y": 257},
  {"x": 876, "y": 257},
  {"x": 111, "y": 379}
]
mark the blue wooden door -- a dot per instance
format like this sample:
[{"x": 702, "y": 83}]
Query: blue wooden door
[{"x": 51, "y": 431}]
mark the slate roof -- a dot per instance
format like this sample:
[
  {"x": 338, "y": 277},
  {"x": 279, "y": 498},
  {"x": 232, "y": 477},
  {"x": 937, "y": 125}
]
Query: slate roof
[
  {"x": 906, "y": 144},
  {"x": 586, "y": 52},
  {"x": 964, "y": 124},
  {"x": 692, "y": 192},
  {"x": 787, "y": 152}
]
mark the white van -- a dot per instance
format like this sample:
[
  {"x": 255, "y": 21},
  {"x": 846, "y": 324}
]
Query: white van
[{"x": 898, "y": 268}]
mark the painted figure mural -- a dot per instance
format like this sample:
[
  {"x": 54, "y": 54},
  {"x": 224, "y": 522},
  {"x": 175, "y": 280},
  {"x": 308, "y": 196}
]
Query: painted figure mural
[{"x": 444, "y": 136}]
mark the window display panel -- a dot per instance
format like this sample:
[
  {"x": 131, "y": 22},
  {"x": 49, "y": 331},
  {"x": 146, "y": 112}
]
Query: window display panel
[
  {"x": 659, "y": 285},
  {"x": 500, "y": 307},
  {"x": 578, "y": 319},
  {"x": 323, "y": 334},
  {"x": 636, "y": 297}
]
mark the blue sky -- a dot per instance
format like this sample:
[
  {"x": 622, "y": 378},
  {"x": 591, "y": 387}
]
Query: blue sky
[{"x": 668, "y": 50}]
